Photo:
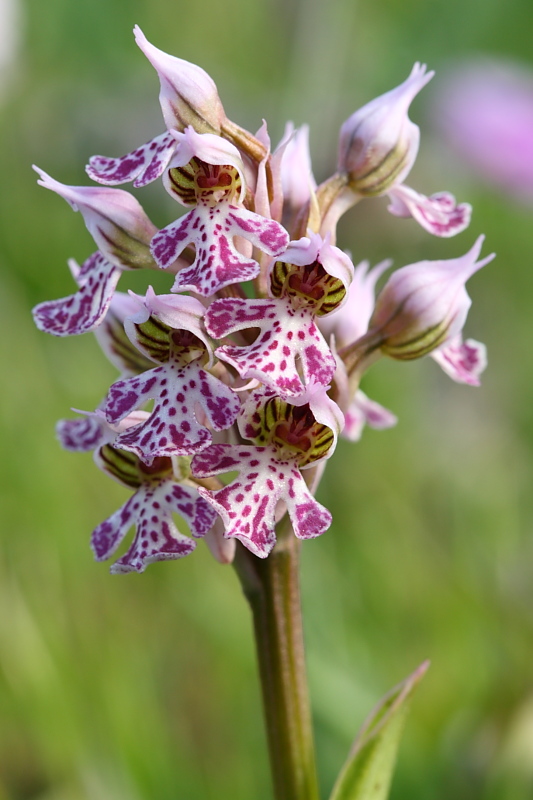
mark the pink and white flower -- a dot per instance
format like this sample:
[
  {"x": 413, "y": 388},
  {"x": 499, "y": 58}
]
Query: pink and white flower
[
  {"x": 187, "y": 397},
  {"x": 310, "y": 281},
  {"x": 207, "y": 172},
  {"x": 378, "y": 146},
  {"x": 188, "y": 97},
  {"x": 114, "y": 218},
  {"x": 287, "y": 439},
  {"x": 424, "y": 305}
]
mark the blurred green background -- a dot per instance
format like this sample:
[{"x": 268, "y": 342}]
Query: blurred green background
[{"x": 144, "y": 688}]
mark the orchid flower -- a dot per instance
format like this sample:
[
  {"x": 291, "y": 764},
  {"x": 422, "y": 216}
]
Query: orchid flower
[
  {"x": 217, "y": 376},
  {"x": 207, "y": 172},
  {"x": 310, "y": 281},
  {"x": 378, "y": 146}
]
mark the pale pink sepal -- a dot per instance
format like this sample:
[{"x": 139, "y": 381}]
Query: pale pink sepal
[
  {"x": 187, "y": 91},
  {"x": 424, "y": 297},
  {"x": 83, "y": 311},
  {"x": 325, "y": 410},
  {"x": 179, "y": 312},
  {"x": 462, "y": 361},
  {"x": 114, "y": 218},
  {"x": 142, "y": 166},
  {"x": 439, "y": 214},
  {"x": 221, "y": 548},
  {"x": 261, "y": 197},
  {"x": 112, "y": 338},
  {"x": 314, "y": 247},
  {"x": 297, "y": 177}
]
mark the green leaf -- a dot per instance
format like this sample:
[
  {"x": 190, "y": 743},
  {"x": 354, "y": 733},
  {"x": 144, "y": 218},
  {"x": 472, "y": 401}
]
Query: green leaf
[{"x": 367, "y": 772}]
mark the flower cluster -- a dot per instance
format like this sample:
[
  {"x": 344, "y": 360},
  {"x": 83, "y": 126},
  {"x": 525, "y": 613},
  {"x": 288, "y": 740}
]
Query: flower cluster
[{"x": 250, "y": 366}]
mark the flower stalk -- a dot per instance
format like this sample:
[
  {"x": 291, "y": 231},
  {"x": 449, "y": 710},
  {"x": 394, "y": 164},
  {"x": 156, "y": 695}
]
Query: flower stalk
[{"x": 272, "y": 588}]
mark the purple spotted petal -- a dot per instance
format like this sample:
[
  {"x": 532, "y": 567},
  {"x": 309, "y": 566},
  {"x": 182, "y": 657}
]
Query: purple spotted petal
[
  {"x": 173, "y": 427},
  {"x": 156, "y": 539},
  {"x": 211, "y": 230},
  {"x": 83, "y": 434},
  {"x": 198, "y": 514},
  {"x": 84, "y": 310},
  {"x": 265, "y": 234},
  {"x": 142, "y": 166},
  {"x": 289, "y": 343},
  {"x": 438, "y": 214},
  {"x": 462, "y": 361},
  {"x": 247, "y": 505}
]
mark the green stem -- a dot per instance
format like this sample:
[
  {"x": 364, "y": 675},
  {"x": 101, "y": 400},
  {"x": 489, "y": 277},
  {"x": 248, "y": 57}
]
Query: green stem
[{"x": 272, "y": 588}]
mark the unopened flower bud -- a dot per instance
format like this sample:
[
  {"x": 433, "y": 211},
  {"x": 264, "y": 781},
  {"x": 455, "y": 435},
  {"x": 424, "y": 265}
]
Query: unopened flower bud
[
  {"x": 424, "y": 305},
  {"x": 188, "y": 94},
  {"x": 114, "y": 218},
  {"x": 378, "y": 143}
]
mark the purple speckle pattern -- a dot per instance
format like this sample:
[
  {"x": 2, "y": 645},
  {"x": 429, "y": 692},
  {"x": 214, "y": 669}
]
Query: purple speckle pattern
[
  {"x": 288, "y": 346},
  {"x": 156, "y": 538},
  {"x": 248, "y": 504},
  {"x": 83, "y": 311},
  {"x": 142, "y": 166},
  {"x": 173, "y": 427},
  {"x": 211, "y": 229},
  {"x": 83, "y": 434},
  {"x": 462, "y": 361},
  {"x": 439, "y": 214}
]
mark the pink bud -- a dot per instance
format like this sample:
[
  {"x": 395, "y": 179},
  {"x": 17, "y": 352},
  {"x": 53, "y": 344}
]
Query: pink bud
[
  {"x": 424, "y": 305},
  {"x": 378, "y": 143},
  {"x": 114, "y": 218},
  {"x": 188, "y": 95}
]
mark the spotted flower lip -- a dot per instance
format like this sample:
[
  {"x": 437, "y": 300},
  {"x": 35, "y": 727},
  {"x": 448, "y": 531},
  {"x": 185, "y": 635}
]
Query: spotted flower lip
[
  {"x": 286, "y": 438},
  {"x": 186, "y": 396},
  {"x": 188, "y": 95},
  {"x": 310, "y": 279},
  {"x": 114, "y": 218},
  {"x": 247, "y": 505},
  {"x": 157, "y": 496},
  {"x": 85, "y": 310},
  {"x": 142, "y": 166},
  {"x": 439, "y": 214},
  {"x": 424, "y": 305}
]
